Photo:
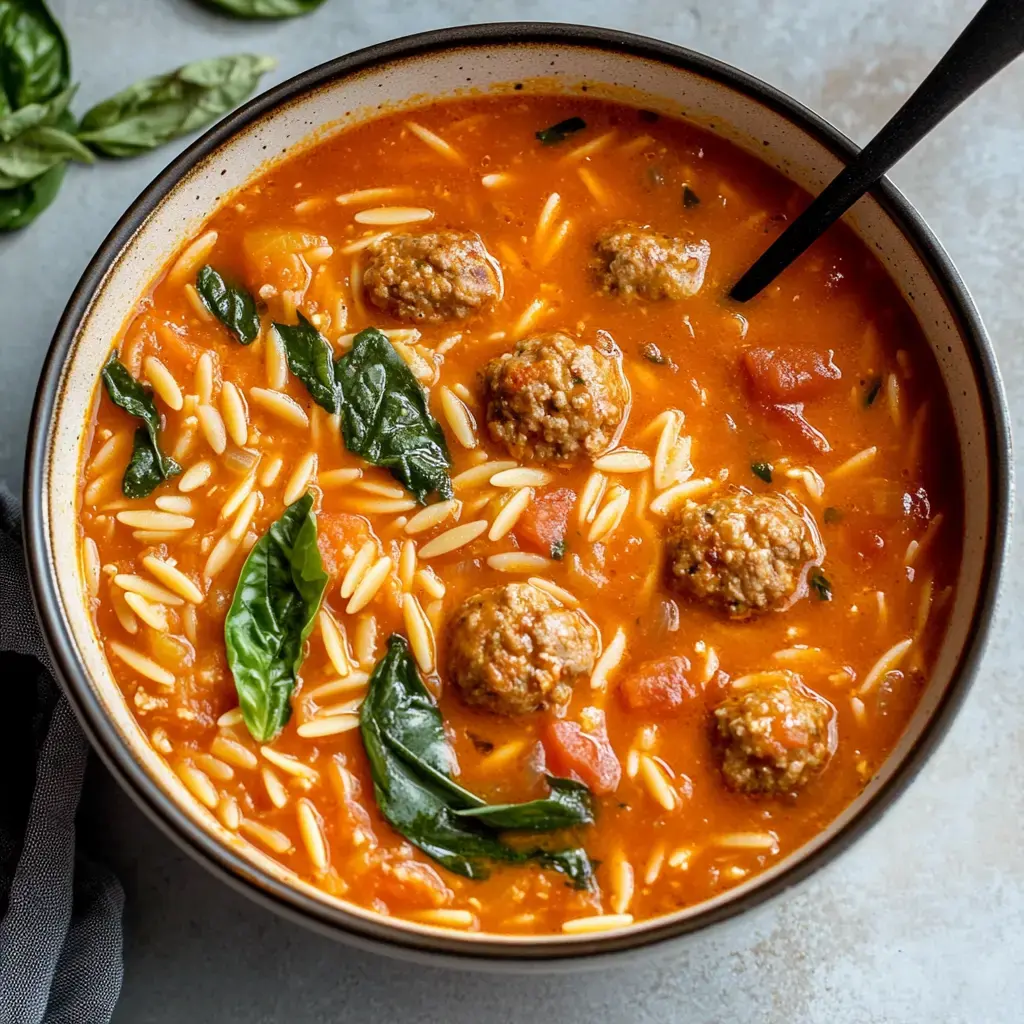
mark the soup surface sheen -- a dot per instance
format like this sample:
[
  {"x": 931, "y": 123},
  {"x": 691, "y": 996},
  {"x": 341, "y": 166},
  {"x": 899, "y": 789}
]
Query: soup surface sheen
[{"x": 815, "y": 590}]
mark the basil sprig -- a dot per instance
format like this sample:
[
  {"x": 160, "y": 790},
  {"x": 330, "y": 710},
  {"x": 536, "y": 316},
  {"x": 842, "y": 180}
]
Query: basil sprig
[
  {"x": 264, "y": 9},
  {"x": 276, "y": 601},
  {"x": 411, "y": 764},
  {"x": 34, "y": 61},
  {"x": 148, "y": 467},
  {"x": 230, "y": 303},
  {"x": 156, "y": 110}
]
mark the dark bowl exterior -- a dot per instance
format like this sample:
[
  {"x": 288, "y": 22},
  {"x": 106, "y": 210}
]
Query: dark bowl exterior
[{"x": 378, "y": 935}]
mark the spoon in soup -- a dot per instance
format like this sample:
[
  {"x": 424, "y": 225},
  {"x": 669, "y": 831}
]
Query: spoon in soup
[{"x": 991, "y": 41}]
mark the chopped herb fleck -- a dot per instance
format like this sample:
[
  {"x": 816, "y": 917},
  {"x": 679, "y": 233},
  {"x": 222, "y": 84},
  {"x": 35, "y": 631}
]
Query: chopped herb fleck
[
  {"x": 649, "y": 116},
  {"x": 832, "y": 515},
  {"x": 577, "y": 381},
  {"x": 873, "y": 387},
  {"x": 762, "y": 470},
  {"x": 690, "y": 198},
  {"x": 561, "y": 131},
  {"x": 652, "y": 353},
  {"x": 820, "y": 584},
  {"x": 558, "y": 549}
]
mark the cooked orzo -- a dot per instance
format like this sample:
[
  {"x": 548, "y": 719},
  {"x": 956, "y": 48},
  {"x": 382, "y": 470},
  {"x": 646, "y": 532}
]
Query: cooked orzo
[{"x": 459, "y": 545}]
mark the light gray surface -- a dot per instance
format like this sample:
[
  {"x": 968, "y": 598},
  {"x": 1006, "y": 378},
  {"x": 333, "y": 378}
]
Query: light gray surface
[{"x": 924, "y": 919}]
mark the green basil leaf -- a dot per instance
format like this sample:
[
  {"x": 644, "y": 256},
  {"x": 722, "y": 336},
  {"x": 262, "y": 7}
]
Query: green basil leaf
[
  {"x": 157, "y": 110},
  {"x": 385, "y": 419},
  {"x": 569, "y": 804},
  {"x": 144, "y": 470},
  {"x": 265, "y": 8},
  {"x": 311, "y": 359},
  {"x": 411, "y": 764},
  {"x": 561, "y": 131},
  {"x": 271, "y": 616},
  {"x": 34, "y": 61},
  {"x": 230, "y": 303},
  {"x": 36, "y": 151},
  {"x": 20, "y": 206},
  {"x": 33, "y": 115}
]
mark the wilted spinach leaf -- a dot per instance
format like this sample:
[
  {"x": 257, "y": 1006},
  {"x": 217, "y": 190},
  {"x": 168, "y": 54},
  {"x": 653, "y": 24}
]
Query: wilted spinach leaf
[
  {"x": 311, "y": 359},
  {"x": 561, "y": 131},
  {"x": 820, "y": 583},
  {"x": 690, "y": 198},
  {"x": 275, "y": 604},
  {"x": 265, "y": 8},
  {"x": 145, "y": 470},
  {"x": 411, "y": 764},
  {"x": 385, "y": 419},
  {"x": 230, "y": 303},
  {"x": 162, "y": 108},
  {"x": 762, "y": 470},
  {"x": 34, "y": 61}
]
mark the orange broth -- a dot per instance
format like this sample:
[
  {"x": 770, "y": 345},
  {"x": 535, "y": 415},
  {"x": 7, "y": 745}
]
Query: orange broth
[{"x": 891, "y": 560}]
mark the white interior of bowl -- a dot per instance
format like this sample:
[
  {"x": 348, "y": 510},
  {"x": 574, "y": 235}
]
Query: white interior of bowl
[{"x": 413, "y": 81}]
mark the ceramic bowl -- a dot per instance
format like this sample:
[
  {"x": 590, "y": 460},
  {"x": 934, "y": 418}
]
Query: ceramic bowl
[{"x": 407, "y": 73}]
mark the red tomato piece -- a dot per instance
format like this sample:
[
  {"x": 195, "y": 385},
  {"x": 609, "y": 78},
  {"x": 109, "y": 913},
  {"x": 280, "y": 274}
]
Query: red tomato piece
[
  {"x": 789, "y": 374},
  {"x": 542, "y": 526},
  {"x": 339, "y": 537},
  {"x": 793, "y": 414},
  {"x": 660, "y": 686},
  {"x": 583, "y": 755}
]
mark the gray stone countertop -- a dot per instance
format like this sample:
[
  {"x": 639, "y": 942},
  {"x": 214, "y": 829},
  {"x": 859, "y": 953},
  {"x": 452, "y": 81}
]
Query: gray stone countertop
[{"x": 923, "y": 920}]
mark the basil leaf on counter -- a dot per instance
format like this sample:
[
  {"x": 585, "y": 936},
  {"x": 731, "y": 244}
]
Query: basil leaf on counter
[
  {"x": 20, "y": 206},
  {"x": 156, "y": 110},
  {"x": 34, "y": 61},
  {"x": 35, "y": 151},
  {"x": 231, "y": 304},
  {"x": 272, "y": 614},
  {"x": 561, "y": 131},
  {"x": 148, "y": 466},
  {"x": 569, "y": 804},
  {"x": 311, "y": 359},
  {"x": 411, "y": 764},
  {"x": 385, "y": 419},
  {"x": 265, "y": 8}
]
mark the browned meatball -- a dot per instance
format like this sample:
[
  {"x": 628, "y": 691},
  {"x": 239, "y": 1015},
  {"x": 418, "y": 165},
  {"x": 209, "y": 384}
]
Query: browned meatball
[
  {"x": 742, "y": 552},
  {"x": 633, "y": 261},
  {"x": 515, "y": 649},
  {"x": 446, "y": 275},
  {"x": 774, "y": 735},
  {"x": 554, "y": 399}
]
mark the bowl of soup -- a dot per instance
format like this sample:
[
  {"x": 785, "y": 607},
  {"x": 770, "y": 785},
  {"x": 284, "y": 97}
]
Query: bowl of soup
[{"x": 435, "y": 551}]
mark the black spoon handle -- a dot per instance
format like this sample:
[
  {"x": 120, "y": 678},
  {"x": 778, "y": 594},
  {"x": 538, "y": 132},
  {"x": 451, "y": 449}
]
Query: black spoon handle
[{"x": 991, "y": 41}]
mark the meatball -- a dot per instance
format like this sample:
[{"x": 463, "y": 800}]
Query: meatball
[
  {"x": 773, "y": 735},
  {"x": 742, "y": 552},
  {"x": 554, "y": 399},
  {"x": 515, "y": 649},
  {"x": 446, "y": 275},
  {"x": 632, "y": 261}
]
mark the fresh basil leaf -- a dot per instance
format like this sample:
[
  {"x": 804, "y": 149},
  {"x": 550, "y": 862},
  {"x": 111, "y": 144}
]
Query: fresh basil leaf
[
  {"x": 265, "y": 8},
  {"x": 762, "y": 470},
  {"x": 230, "y": 303},
  {"x": 385, "y": 419},
  {"x": 569, "y": 804},
  {"x": 20, "y": 206},
  {"x": 36, "y": 151},
  {"x": 33, "y": 115},
  {"x": 820, "y": 583},
  {"x": 411, "y": 764},
  {"x": 34, "y": 61},
  {"x": 157, "y": 110},
  {"x": 275, "y": 604},
  {"x": 144, "y": 471},
  {"x": 561, "y": 131},
  {"x": 311, "y": 359}
]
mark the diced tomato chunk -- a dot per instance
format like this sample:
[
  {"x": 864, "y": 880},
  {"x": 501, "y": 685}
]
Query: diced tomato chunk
[
  {"x": 660, "y": 686},
  {"x": 790, "y": 374},
  {"x": 542, "y": 526},
  {"x": 584, "y": 755},
  {"x": 273, "y": 257},
  {"x": 339, "y": 536},
  {"x": 793, "y": 416}
]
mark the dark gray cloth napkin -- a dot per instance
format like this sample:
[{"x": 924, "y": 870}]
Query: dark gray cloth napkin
[{"x": 60, "y": 914}]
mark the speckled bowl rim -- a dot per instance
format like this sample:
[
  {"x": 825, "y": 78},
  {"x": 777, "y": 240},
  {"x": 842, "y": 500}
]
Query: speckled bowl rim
[{"x": 489, "y": 952}]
